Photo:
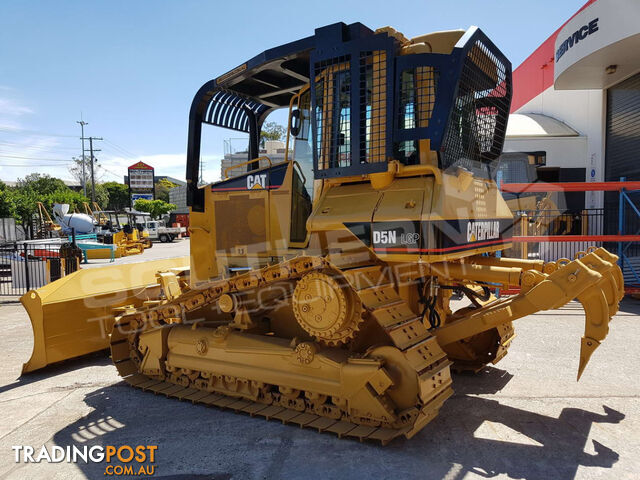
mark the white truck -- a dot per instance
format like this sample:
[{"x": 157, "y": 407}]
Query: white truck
[{"x": 159, "y": 231}]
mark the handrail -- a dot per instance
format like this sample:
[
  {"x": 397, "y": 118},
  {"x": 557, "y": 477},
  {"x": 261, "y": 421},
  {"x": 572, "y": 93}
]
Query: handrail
[
  {"x": 542, "y": 187},
  {"x": 246, "y": 163},
  {"x": 575, "y": 238},
  {"x": 304, "y": 179}
]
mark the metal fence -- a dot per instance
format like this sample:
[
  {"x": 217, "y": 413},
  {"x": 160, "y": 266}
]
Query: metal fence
[
  {"x": 24, "y": 266},
  {"x": 562, "y": 222},
  {"x": 556, "y": 223},
  {"x": 616, "y": 227}
]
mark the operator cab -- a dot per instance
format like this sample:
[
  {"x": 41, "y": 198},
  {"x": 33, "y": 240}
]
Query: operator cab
[
  {"x": 362, "y": 104},
  {"x": 359, "y": 98}
]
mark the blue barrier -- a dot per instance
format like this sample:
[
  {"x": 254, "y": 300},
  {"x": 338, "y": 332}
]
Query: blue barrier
[
  {"x": 92, "y": 246},
  {"x": 623, "y": 260}
]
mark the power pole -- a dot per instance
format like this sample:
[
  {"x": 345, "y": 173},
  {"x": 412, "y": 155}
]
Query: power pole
[
  {"x": 84, "y": 183},
  {"x": 91, "y": 159}
]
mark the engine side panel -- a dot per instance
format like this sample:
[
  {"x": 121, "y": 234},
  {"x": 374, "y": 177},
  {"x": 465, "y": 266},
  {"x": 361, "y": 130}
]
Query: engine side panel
[{"x": 417, "y": 219}]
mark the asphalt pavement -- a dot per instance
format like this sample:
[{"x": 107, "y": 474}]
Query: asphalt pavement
[{"x": 527, "y": 417}]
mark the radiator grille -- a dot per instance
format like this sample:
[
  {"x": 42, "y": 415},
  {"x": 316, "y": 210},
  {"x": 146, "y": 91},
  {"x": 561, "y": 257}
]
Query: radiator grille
[{"x": 240, "y": 221}]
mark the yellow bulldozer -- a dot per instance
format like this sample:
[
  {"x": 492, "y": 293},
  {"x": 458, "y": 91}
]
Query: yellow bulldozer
[
  {"x": 128, "y": 241},
  {"x": 318, "y": 289}
]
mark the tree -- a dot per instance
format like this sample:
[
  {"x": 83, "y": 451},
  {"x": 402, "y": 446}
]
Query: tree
[
  {"x": 162, "y": 189},
  {"x": 76, "y": 171},
  {"x": 102, "y": 196},
  {"x": 118, "y": 195},
  {"x": 155, "y": 208},
  {"x": 272, "y": 131},
  {"x": 6, "y": 201},
  {"x": 24, "y": 205},
  {"x": 7, "y": 206},
  {"x": 21, "y": 201},
  {"x": 75, "y": 200},
  {"x": 28, "y": 191},
  {"x": 41, "y": 184}
]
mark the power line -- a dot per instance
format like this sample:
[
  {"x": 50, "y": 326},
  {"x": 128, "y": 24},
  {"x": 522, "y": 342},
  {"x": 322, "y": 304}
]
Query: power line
[
  {"x": 116, "y": 153},
  {"x": 2, "y": 155},
  {"x": 117, "y": 147},
  {"x": 122, "y": 149},
  {"x": 36, "y": 147},
  {"x": 34, "y": 132},
  {"x": 23, "y": 165},
  {"x": 109, "y": 171}
]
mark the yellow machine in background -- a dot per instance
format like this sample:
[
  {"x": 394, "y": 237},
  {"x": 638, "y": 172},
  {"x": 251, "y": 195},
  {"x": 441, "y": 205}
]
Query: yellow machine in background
[
  {"x": 125, "y": 243},
  {"x": 136, "y": 237},
  {"x": 136, "y": 232},
  {"x": 46, "y": 226},
  {"x": 96, "y": 213},
  {"x": 128, "y": 243},
  {"x": 319, "y": 289}
]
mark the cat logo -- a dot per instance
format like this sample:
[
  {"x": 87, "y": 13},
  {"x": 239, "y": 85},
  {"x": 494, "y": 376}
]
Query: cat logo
[{"x": 257, "y": 181}]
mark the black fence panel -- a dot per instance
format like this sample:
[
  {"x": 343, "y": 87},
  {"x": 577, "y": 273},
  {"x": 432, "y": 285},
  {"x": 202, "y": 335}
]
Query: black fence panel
[
  {"x": 547, "y": 223},
  {"x": 25, "y": 266},
  {"x": 561, "y": 222}
]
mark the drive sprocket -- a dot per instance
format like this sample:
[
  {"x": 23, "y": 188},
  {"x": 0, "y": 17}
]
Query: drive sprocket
[{"x": 327, "y": 308}]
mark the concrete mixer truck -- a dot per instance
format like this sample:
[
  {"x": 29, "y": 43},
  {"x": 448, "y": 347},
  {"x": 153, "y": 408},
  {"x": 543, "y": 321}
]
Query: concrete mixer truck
[{"x": 80, "y": 222}]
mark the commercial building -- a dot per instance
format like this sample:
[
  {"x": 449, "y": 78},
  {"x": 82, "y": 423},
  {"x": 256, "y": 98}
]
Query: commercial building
[
  {"x": 576, "y": 103},
  {"x": 231, "y": 164},
  {"x": 178, "y": 196},
  {"x": 173, "y": 180}
]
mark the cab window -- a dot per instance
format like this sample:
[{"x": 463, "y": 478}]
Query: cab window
[
  {"x": 302, "y": 188},
  {"x": 302, "y": 145}
]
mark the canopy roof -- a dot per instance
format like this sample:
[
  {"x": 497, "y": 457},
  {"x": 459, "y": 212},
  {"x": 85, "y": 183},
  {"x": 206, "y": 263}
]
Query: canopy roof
[
  {"x": 265, "y": 82},
  {"x": 537, "y": 125}
]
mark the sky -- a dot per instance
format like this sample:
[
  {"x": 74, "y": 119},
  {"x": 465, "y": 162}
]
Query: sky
[{"x": 130, "y": 68}]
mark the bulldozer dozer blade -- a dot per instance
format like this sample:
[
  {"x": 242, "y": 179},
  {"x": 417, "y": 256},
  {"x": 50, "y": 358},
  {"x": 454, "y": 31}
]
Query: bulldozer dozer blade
[{"x": 73, "y": 316}]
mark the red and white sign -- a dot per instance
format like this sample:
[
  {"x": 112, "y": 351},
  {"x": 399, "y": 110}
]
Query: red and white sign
[
  {"x": 141, "y": 178},
  {"x": 140, "y": 166}
]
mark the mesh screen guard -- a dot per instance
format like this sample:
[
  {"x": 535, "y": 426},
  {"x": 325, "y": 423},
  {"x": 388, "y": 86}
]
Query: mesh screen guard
[
  {"x": 478, "y": 122},
  {"x": 351, "y": 94},
  {"x": 460, "y": 102}
]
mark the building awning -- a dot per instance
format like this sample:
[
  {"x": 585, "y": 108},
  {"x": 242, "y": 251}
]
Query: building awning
[
  {"x": 598, "y": 47},
  {"x": 534, "y": 125}
]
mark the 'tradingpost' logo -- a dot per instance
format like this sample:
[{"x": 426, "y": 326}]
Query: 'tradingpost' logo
[{"x": 133, "y": 460}]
